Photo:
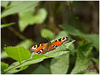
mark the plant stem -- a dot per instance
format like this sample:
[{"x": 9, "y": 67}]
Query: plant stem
[
  {"x": 13, "y": 67},
  {"x": 17, "y": 33}
]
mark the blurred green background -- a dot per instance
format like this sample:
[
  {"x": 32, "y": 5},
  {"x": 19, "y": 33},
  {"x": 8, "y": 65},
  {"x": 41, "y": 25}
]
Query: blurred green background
[{"x": 31, "y": 22}]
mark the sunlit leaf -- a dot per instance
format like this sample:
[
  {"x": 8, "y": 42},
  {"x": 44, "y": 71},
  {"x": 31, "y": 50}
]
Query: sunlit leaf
[
  {"x": 18, "y": 53},
  {"x": 4, "y": 3},
  {"x": 3, "y": 66},
  {"x": 7, "y": 25},
  {"x": 4, "y": 55}
]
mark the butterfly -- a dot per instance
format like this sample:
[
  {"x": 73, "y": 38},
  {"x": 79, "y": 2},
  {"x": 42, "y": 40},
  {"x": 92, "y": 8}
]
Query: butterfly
[{"x": 45, "y": 47}]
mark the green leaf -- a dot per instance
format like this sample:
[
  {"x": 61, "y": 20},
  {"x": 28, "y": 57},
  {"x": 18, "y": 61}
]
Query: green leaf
[
  {"x": 41, "y": 16},
  {"x": 71, "y": 30},
  {"x": 26, "y": 43},
  {"x": 25, "y": 19},
  {"x": 15, "y": 70},
  {"x": 60, "y": 65},
  {"x": 62, "y": 34},
  {"x": 46, "y": 33},
  {"x": 41, "y": 70},
  {"x": 28, "y": 18},
  {"x": 95, "y": 60},
  {"x": 93, "y": 38},
  {"x": 6, "y": 25},
  {"x": 18, "y": 53},
  {"x": 83, "y": 58},
  {"x": 4, "y": 55},
  {"x": 19, "y": 7},
  {"x": 4, "y": 3},
  {"x": 36, "y": 58},
  {"x": 3, "y": 66}
]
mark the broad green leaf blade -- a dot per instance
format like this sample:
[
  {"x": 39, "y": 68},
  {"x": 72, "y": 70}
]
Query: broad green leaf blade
[
  {"x": 83, "y": 59},
  {"x": 46, "y": 33},
  {"x": 26, "y": 43},
  {"x": 4, "y": 3},
  {"x": 18, "y": 53},
  {"x": 25, "y": 19},
  {"x": 93, "y": 38},
  {"x": 4, "y": 55},
  {"x": 7, "y": 25},
  {"x": 41, "y": 16},
  {"x": 56, "y": 53},
  {"x": 41, "y": 70},
  {"x": 59, "y": 65},
  {"x": 28, "y": 18},
  {"x": 71, "y": 30},
  {"x": 3, "y": 66},
  {"x": 34, "y": 59},
  {"x": 19, "y": 7}
]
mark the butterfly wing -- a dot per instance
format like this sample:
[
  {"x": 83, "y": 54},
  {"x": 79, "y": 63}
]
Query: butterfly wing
[
  {"x": 38, "y": 48},
  {"x": 57, "y": 43},
  {"x": 45, "y": 47}
]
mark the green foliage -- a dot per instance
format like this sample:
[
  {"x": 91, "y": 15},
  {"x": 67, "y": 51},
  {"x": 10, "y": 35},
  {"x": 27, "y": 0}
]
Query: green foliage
[
  {"x": 71, "y": 30},
  {"x": 41, "y": 70},
  {"x": 95, "y": 60},
  {"x": 3, "y": 66},
  {"x": 4, "y": 3},
  {"x": 14, "y": 70},
  {"x": 23, "y": 55},
  {"x": 41, "y": 16},
  {"x": 94, "y": 39},
  {"x": 83, "y": 58},
  {"x": 6, "y": 25},
  {"x": 18, "y": 7},
  {"x": 46, "y": 33},
  {"x": 89, "y": 37},
  {"x": 18, "y": 53},
  {"x": 3, "y": 55},
  {"x": 28, "y": 18},
  {"x": 26, "y": 43},
  {"x": 67, "y": 58},
  {"x": 60, "y": 65}
]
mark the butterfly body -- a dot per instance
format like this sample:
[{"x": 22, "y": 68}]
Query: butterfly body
[{"x": 45, "y": 47}]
